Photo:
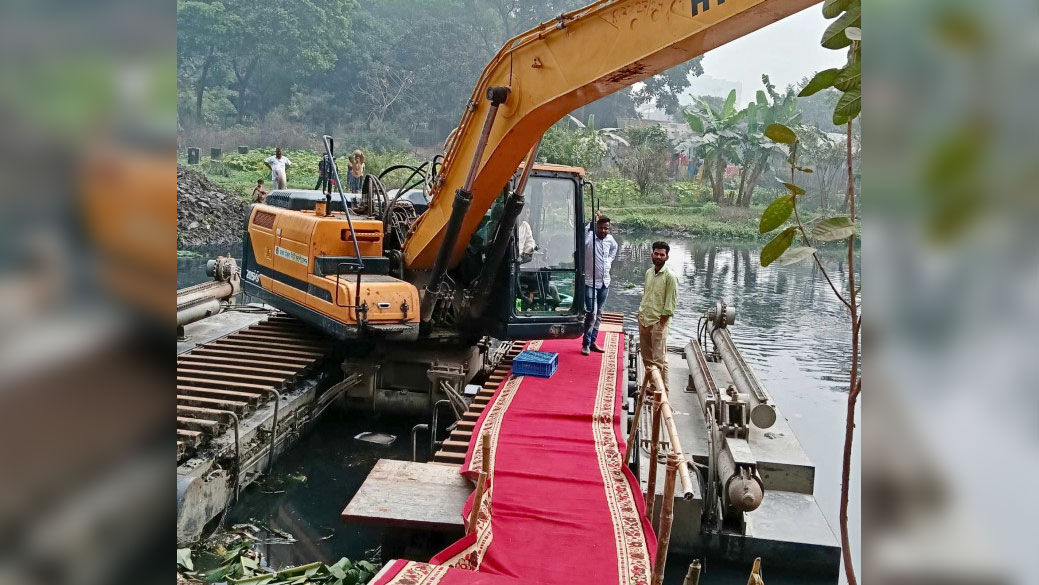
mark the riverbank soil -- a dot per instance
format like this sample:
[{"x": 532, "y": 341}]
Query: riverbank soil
[{"x": 206, "y": 215}]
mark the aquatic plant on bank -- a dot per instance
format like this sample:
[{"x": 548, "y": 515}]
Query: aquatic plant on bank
[{"x": 230, "y": 557}]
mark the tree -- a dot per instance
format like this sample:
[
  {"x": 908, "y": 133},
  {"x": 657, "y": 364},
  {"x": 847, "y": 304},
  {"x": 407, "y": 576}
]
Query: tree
[
  {"x": 843, "y": 32},
  {"x": 647, "y": 156},
  {"x": 201, "y": 36},
  {"x": 717, "y": 142},
  {"x": 271, "y": 43},
  {"x": 664, "y": 88}
]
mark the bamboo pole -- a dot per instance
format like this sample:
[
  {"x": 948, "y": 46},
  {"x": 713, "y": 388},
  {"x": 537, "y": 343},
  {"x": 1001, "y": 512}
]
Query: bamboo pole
[
  {"x": 667, "y": 514},
  {"x": 672, "y": 431},
  {"x": 635, "y": 422},
  {"x": 481, "y": 482},
  {"x": 485, "y": 446},
  {"x": 755, "y": 574},
  {"x": 692, "y": 577},
  {"x": 651, "y": 485},
  {"x": 474, "y": 513}
]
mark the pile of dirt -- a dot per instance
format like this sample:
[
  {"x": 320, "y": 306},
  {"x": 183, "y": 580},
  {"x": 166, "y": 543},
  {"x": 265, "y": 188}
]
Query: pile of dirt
[{"x": 205, "y": 214}]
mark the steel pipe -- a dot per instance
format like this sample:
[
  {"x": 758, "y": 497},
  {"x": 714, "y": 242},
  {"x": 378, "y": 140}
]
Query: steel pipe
[
  {"x": 205, "y": 291},
  {"x": 762, "y": 409},
  {"x": 197, "y": 311}
]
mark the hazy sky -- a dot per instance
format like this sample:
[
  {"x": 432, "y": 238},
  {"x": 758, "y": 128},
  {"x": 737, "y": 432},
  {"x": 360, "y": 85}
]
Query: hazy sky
[{"x": 787, "y": 51}]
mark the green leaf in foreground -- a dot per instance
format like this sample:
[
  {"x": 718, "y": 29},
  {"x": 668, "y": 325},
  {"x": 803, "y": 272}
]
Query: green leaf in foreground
[
  {"x": 821, "y": 81},
  {"x": 776, "y": 213},
  {"x": 780, "y": 133},
  {"x": 832, "y": 8},
  {"x": 777, "y": 246},
  {"x": 835, "y": 228},
  {"x": 795, "y": 255},
  {"x": 850, "y": 77},
  {"x": 848, "y": 107},
  {"x": 793, "y": 188},
  {"x": 184, "y": 559},
  {"x": 834, "y": 37}
]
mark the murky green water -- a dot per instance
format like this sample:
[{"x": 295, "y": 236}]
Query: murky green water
[{"x": 789, "y": 325}]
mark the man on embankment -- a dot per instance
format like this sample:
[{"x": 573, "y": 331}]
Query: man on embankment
[
  {"x": 277, "y": 164},
  {"x": 656, "y": 309}
]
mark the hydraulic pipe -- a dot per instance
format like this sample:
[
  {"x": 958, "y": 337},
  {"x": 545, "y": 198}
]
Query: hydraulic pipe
[
  {"x": 459, "y": 209},
  {"x": 502, "y": 238},
  {"x": 703, "y": 382},
  {"x": 762, "y": 409},
  {"x": 496, "y": 255}
]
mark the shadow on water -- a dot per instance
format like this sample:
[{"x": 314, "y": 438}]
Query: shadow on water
[{"x": 789, "y": 325}]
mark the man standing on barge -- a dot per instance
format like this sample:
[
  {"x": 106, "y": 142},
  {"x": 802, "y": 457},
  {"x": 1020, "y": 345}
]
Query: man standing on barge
[
  {"x": 656, "y": 309},
  {"x": 600, "y": 250}
]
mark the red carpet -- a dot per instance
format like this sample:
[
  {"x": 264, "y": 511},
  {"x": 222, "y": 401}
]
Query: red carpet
[{"x": 561, "y": 508}]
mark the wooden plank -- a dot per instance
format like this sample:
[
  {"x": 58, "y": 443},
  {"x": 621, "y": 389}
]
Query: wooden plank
[
  {"x": 232, "y": 394},
  {"x": 249, "y": 347},
  {"x": 197, "y": 424},
  {"x": 201, "y": 412},
  {"x": 205, "y": 350},
  {"x": 231, "y": 365},
  {"x": 456, "y": 446},
  {"x": 412, "y": 495},
  {"x": 449, "y": 457},
  {"x": 260, "y": 340},
  {"x": 208, "y": 382},
  {"x": 287, "y": 340},
  {"x": 234, "y": 405},
  {"x": 273, "y": 381}
]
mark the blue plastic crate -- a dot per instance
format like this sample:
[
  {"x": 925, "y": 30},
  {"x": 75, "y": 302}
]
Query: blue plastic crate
[{"x": 535, "y": 363}]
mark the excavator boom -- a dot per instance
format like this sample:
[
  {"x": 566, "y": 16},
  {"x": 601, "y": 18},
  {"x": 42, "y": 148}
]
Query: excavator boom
[{"x": 560, "y": 66}]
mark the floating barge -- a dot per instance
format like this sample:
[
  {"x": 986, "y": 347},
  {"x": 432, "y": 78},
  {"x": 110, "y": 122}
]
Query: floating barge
[
  {"x": 243, "y": 373},
  {"x": 746, "y": 451}
]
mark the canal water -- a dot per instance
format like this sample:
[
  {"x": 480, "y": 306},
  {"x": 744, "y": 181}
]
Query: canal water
[{"x": 789, "y": 325}]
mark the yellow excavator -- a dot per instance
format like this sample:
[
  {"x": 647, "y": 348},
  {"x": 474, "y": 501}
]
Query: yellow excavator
[{"x": 415, "y": 290}]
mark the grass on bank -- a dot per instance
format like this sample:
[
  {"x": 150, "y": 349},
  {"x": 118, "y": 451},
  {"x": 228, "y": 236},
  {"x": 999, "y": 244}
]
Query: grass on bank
[{"x": 237, "y": 173}]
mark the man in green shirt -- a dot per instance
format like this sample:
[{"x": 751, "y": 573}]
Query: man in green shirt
[{"x": 655, "y": 311}]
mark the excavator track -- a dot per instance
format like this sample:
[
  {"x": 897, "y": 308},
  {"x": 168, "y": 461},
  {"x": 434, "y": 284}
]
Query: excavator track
[{"x": 227, "y": 379}]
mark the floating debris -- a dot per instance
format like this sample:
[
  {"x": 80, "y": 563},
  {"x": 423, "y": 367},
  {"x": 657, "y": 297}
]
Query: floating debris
[{"x": 383, "y": 439}]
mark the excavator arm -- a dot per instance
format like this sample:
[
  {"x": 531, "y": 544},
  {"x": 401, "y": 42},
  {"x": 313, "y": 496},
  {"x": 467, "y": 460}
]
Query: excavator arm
[{"x": 558, "y": 67}]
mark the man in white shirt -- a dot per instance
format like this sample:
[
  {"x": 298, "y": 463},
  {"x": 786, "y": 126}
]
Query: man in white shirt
[
  {"x": 277, "y": 164},
  {"x": 525, "y": 237},
  {"x": 600, "y": 249}
]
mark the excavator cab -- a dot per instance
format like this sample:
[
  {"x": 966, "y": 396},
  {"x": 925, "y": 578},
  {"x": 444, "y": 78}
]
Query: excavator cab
[{"x": 545, "y": 268}]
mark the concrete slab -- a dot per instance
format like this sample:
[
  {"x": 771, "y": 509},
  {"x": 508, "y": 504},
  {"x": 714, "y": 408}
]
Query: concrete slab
[{"x": 410, "y": 495}]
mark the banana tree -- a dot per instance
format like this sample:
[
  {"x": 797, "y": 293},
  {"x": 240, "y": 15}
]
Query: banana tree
[
  {"x": 757, "y": 151},
  {"x": 717, "y": 141}
]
